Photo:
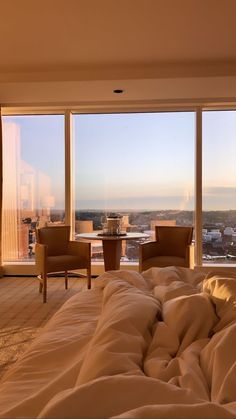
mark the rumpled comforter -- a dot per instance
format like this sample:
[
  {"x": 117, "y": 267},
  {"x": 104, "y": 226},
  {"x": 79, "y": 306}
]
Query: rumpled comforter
[{"x": 161, "y": 344}]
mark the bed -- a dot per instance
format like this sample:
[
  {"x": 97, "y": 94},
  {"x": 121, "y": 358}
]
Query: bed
[{"x": 161, "y": 344}]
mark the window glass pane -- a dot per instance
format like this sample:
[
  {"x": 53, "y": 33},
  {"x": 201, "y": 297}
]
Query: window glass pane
[
  {"x": 140, "y": 165},
  {"x": 219, "y": 187},
  {"x": 33, "y": 180}
]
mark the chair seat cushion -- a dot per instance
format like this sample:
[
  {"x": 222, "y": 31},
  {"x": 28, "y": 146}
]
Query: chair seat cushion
[
  {"x": 162, "y": 261},
  {"x": 64, "y": 262}
]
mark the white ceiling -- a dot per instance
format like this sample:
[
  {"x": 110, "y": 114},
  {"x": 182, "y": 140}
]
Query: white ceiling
[{"x": 105, "y": 40}]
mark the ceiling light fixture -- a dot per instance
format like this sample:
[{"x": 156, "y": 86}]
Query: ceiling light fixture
[{"x": 118, "y": 91}]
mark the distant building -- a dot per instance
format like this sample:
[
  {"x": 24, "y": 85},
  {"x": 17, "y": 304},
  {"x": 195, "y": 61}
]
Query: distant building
[
  {"x": 27, "y": 197},
  {"x": 228, "y": 231},
  {"x": 10, "y": 213},
  {"x": 234, "y": 237},
  {"x": 83, "y": 226},
  {"x": 206, "y": 238},
  {"x": 214, "y": 234},
  {"x": 155, "y": 223}
]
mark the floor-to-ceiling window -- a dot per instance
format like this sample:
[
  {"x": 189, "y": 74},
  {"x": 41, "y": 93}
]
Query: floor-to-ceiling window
[
  {"x": 140, "y": 165},
  {"x": 219, "y": 186},
  {"x": 33, "y": 180}
]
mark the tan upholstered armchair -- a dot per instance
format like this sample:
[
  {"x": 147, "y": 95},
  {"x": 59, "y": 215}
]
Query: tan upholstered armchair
[
  {"x": 171, "y": 248},
  {"x": 54, "y": 253}
]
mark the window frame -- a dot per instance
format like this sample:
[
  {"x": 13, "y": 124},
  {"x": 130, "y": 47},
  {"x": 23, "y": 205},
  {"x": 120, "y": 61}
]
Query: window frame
[{"x": 28, "y": 268}]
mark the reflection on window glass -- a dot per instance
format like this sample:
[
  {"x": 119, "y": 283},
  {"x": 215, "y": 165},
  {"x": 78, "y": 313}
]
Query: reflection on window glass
[
  {"x": 219, "y": 187},
  {"x": 33, "y": 180},
  {"x": 139, "y": 165}
]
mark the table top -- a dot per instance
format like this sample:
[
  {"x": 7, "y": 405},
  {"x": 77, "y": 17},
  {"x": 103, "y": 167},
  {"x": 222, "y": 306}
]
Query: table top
[{"x": 98, "y": 236}]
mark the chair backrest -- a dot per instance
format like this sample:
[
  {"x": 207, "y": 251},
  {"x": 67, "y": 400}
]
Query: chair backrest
[
  {"x": 174, "y": 239},
  {"x": 56, "y": 238}
]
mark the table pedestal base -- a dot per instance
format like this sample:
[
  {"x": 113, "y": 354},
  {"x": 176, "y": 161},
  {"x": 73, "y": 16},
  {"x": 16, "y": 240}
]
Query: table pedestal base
[{"x": 111, "y": 254}]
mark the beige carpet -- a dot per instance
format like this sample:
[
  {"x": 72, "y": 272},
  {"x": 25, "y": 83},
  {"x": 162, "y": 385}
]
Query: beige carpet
[{"x": 23, "y": 314}]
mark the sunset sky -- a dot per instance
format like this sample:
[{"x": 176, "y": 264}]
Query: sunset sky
[{"x": 135, "y": 161}]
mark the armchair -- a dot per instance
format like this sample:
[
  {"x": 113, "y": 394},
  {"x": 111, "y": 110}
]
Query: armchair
[
  {"x": 54, "y": 252},
  {"x": 172, "y": 247}
]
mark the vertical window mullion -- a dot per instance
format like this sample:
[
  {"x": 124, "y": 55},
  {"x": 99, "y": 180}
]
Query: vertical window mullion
[
  {"x": 68, "y": 171},
  {"x": 198, "y": 189}
]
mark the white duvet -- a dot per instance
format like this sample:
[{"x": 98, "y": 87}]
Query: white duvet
[{"x": 157, "y": 345}]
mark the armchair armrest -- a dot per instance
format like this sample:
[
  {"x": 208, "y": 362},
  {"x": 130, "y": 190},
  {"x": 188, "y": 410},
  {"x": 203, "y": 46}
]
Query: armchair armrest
[
  {"x": 80, "y": 249},
  {"x": 149, "y": 249},
  {"x": 40, "y": 257}
]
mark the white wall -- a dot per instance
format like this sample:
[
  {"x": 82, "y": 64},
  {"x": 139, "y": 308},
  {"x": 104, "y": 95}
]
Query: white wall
[{"x": 190, "y": 89}]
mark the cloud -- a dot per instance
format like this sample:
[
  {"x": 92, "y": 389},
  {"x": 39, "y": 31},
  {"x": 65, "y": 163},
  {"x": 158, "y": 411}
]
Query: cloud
[
  {"x": 219, "y": 191},
  {"x": 139, "y": 203}
]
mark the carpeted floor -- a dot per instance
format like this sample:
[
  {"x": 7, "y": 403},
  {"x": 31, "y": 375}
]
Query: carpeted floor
[{"x": 23, "y": 314}]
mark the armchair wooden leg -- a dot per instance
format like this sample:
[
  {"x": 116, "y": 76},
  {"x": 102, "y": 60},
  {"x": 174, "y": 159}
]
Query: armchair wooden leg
[
  {"x": 44, "y": 287},
  {"x": 66, "y": 280},
  {"x": 40, "y": 284},
  {"x": 89, "y": 278}
]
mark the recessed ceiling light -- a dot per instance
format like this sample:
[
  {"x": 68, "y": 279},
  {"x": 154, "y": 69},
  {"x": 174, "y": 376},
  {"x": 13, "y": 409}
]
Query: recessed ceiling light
[{"x": 118, "y": 91}]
